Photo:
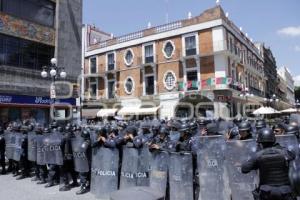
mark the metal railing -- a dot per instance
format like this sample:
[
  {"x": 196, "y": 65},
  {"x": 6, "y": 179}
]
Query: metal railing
[{"x": 168, "y": 27}]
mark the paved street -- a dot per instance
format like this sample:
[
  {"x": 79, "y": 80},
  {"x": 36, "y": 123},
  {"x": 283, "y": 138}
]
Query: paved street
[{"x": 12, "y": 189}]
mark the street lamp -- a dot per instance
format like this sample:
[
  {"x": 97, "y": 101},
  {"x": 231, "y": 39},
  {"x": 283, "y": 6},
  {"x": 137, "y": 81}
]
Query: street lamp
[
  {"x": 245, "y": 95},
  {"x": 53, "y": 70},
  {"x": 273, "y": 99}
]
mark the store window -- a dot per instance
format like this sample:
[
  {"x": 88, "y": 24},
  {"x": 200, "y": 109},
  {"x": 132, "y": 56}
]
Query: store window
[
  {"x": 168, "y": 49},
  {"x": 192, "y": 80},
  {"x": 169, "y": 80},
  {"x": 129, "y": 85},
  {"x": 38, "y": 11},
  {"x": 128, "y": 58}
]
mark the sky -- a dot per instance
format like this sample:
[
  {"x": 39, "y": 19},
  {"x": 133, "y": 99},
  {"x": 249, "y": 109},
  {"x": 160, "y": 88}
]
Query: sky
[{"x": 274, "y": 22}]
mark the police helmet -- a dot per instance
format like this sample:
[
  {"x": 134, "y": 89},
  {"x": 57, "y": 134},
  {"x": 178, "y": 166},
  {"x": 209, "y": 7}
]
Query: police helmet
[
  {"x": 54, "y": 125},
  {"x": 46, "y": 130},
  {"x": 85, "y": 134},
  {"x": 290, "y": 129},
  {"x": 260, "y": 124},
  {"x": 266, "y": 135},
  {"x": 244, "y": 126}
]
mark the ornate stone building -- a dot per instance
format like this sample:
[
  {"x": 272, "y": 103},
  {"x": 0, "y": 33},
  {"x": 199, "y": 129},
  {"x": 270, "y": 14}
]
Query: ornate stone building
[{"x": 203, "y": 66}]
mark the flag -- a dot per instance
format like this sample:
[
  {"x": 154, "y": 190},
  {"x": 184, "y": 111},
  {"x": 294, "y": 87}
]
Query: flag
[
  {"x": 204, "y": 83},
  {"x": 189, "y": 84},
  {"x": 194, "y": 84},
  {"x": 211, "y": 81},
  {"x": 228, "y": 81},
  {"x": 221, "y": 81},
  {"x": 180, "y": 86}
]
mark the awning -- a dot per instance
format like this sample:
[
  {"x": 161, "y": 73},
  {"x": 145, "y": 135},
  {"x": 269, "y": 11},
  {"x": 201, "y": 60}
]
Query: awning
[
  {"x": 290, "y": 110},
  {"x": 89, "y": 113},
  {"x": 107, "y": 112},
  {"x": 265, "y": 111},
  {"x": 138, "y": 111},
  {"x": 148, "y": 111},
  {"x": 128, "y": 111}
]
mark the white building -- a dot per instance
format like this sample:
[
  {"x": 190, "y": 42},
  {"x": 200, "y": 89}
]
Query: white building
[{"x": 286, "y": 75}]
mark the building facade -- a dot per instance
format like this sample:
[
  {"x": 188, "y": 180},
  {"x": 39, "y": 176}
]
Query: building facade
[
  {"x": 31, "y": 33},
  {"x": 203, "y": 66},
  {"x": 289, "y": 85},
  {"x": 270, "y": 69}
]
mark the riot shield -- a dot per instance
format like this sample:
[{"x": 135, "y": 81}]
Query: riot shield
[
  {"x": 143, "y": 167},
  {"x": 10, "y": 141},
  {"x": 181, "y": 176},
  {"x": 159, "y": 171},
  {"x": 211, "y": 168},
  {"x": 18, "y": 147},
  {"x": 129, "y": 169},
  {"x": 237, "y": 152},
  {"x": 290, "y": 142},
  {"x": 52, "y": 149},
  {"x": 40, "y": 154},
  {"x": 105, "y": 171},
  {"x": 32, "y": 148},
  {"x": 81, "y": 161}
]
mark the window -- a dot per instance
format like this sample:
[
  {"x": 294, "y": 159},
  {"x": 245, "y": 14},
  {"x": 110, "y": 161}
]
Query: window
[
  {"x": 190, "y": 45},
  {"x": 22, "y": 53},
  {"x": 129, "y": 85},
  {"x": 110, "y": 61},
  {"x": 111, "y": 89},
  {"x": 169, "y": 80},
  {"x": 149, "y": 55},
  {"x": 40, "y": 11},
  {"x": 93, "y": 87},
  {"x": 168, "y": 49},
  {"x": 192, "y": 80},
  {"x": 128, "y": 58},
  {"x": 93, "y": 65},
  {"x": 149, "y": 85}
]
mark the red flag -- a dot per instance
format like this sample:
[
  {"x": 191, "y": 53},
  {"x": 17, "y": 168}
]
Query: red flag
[{"x": 189, "y": 84}]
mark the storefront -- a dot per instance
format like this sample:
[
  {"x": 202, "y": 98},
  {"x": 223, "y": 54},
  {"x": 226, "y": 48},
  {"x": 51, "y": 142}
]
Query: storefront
[{"x": 32, "y": 108}]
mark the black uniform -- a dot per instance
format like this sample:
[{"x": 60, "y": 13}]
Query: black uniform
[
  {"x": 24, "y": 163},
  {"x": 68, "y": 167},
  {"x": 273, "y": 165},
  {"x": 2, "y": 151}
]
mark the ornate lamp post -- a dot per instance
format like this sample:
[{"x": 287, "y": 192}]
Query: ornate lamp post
[
  {"x": 273, "y": 100},
  {"x": 55, "y": 72},
  {"x": 245, "y": 95}
]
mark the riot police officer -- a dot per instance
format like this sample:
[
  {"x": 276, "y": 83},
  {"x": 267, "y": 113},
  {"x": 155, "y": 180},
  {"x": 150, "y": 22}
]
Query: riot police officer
[
  {"x": 85, "y": 177},
  {"x": 242, "y": 133},
  {"x": 293, "y": 130},
  {"x": 260, "y": 124},
  {"x": 40, "y": 163},
  {"x": 273, "y": 165},
  {"x": 2, "y": 151},
  {"x": 68, "y": 167},
  {"x": 24, "y": 163}
]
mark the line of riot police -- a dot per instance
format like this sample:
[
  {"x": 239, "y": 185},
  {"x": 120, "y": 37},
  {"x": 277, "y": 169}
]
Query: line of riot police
[{"x": 182, "y": 159}]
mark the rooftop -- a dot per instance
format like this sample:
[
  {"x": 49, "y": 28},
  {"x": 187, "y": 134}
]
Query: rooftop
[{"x": 208, "y": 15}]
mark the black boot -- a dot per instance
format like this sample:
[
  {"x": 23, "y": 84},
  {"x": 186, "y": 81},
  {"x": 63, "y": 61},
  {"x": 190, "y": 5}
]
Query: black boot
[
  {"x": 50, "y": 184},
  {"x": 35, "y": 178},
  {"x": 3, "y": 172},
  {"x": 83, "y": 189},
  {"x": 65, "y": 188},
  {"x": 74, "y": 184},
  {"x": 23, "y": 176},
  {"x": 42, "y": 181}
]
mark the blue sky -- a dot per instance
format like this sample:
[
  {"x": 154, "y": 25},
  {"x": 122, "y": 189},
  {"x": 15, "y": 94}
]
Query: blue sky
[{"x": 275, "y": 22}]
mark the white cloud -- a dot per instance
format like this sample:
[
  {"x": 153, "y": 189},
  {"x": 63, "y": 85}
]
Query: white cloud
[
  {"x": 297, "y": 80},
  {"x": 297, "y": 48},
  {"x": 290, "y": 31}
]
